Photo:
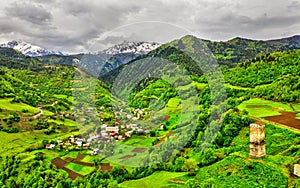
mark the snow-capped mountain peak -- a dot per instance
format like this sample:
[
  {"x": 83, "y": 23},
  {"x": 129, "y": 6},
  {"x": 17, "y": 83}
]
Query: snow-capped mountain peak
[
  {"x": 131, "y": 47},
  {"x": 28, "y": 49}
]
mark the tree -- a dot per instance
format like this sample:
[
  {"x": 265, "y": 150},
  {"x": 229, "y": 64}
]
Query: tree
[
  {"x": 190, "y": 166},
  {"x": 113, "y": 184},
  {"x": 179, "y": 162},
  {"x": 208, "y": 157}
]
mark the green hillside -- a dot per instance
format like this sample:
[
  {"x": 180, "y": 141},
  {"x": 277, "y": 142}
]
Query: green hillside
[{"x": 44, "y": 101}]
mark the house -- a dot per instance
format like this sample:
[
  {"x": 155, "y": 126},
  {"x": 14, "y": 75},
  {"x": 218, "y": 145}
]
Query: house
[
  {"x": 95, "y": 151},
  {"x": 112, "y": 129},
  {"x": 50, "y": 146},
  {"x": 128, "y": 134},
  {"x": 120, "y": 137},
  {"x": 75, "y": 61},
  {"x": 161, "y": 127},
  {"x": 103, "y": 127},
  {"x": 60, "y": 142},
  {"x": 86, "y": 146},
  {"x": 133, "y": 126},
  {"x": 140, "y": 130},
  {"x": 95, "y": 137},
  {"x": 104, "y": 134},
  {"x": 78, "y": 143},
  {"x": 72, "y": 139}
]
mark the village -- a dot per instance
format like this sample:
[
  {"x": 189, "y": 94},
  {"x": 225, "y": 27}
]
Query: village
[{"x": 107, "y": 134}]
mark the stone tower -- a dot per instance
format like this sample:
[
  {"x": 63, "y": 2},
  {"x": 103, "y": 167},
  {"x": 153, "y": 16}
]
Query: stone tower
[{"x": 257, "y": 140}]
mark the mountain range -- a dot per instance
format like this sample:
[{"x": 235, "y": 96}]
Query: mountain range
[
  {"x": 130, "y": 47},
  {"x": 227, "y": 53},
  {"x": 28, "y": 49}
]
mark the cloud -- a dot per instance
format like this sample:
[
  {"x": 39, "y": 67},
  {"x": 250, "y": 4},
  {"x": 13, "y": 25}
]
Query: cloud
[
  {"x": 294, "y": 6},
  {"x": 35, "y": 14},
  {"x": 75, "y": 26}
]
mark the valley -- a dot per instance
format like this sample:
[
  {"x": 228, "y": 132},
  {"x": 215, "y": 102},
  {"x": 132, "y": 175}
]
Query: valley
[{"x": 63, "y": 126}]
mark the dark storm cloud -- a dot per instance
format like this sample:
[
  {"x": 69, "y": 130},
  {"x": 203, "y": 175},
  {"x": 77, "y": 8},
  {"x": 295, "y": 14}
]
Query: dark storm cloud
[
  {"x": 75, "y": 26},
  {"x": 31, "y": 13}
]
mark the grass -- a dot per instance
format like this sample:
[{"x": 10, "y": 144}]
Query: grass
[
  {"x": 235, "y": 171},
  {"x": 80, "y": 169},
  {"x": 199, "y": 86},
  {"x": 72, "y": 154},
  {"x": 48, "y": 113},
  {"x": 139, "y": 142},
  {"x": 7, "y": 105},
  {"x": 49, "y": 154},
  {"x": 67, "y": 122},
  {"x": 14, "y": 143},
  {"x": 156, "y": 180},
  {"x": 122, "y": 150},
  {"x": 238, "y": 169},
  {"x": 297, "y": 107},
  {"x": 90, "y": 159},
  {"x": 61, "y": 96},
  {"x": 236, "y": 87},
  {"x": 4, "y": 114},
  {"x": 264, "y": 108},
  {"x": 173, "y": 105}
]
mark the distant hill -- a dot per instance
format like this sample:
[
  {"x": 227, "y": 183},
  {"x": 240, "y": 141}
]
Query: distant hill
[
  {"x": 239, "y": 49},
  {"x": 228, "y": 53},
  {"x": 14, "y": 59}
]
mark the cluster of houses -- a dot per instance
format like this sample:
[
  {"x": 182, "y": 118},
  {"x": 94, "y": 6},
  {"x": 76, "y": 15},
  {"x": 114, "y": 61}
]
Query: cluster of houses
[
  {"x": 79, "y": 142},
  {"x": 107, "y": 134}
]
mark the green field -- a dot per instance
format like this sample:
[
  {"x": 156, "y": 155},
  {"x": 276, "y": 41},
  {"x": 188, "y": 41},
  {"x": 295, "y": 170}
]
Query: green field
[
  {"x": 139, "y": 141},
  {"x": 263, "y": 108},
  {"x": 156, "y": 180},
  {"x": 72, "y": 154},
  {"x": 236, "y": 87},
  {"x": 69, "y": 98},
  {"x": 17, "y": 142},
  {"x": 297, "y": 107},
  {"x": 199, "y": 86},
  {"x": 122, "y": 150},
  {"x": 80, "y": 169},
  {"x": 48, "y": 113},
  {"x": 66, "y": 122},
  {"x": 6, "y": 104},
  {"x": 90, "y": 159}
]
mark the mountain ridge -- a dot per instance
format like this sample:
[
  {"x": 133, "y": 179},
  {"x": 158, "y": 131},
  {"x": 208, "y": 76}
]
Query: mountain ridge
[
  {"x": 125, "y": 47},
  {"x": 29, "y": 49}
]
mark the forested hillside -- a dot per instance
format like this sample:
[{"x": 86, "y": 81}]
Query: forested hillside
[
  {"x": 42, "y": 104},
  {"x": 274, "y": 76}
]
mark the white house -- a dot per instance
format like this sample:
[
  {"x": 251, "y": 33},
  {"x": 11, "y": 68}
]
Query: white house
[
  {"x": 50, "y": 146},
  {"x": 112, "y": 129}
]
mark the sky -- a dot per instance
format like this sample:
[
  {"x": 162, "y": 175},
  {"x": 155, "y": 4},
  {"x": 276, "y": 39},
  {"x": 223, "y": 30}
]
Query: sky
[{"x": 73, "y": 26}]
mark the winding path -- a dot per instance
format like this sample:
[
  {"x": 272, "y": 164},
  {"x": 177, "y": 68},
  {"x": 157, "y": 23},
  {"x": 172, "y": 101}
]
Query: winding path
[{"x": 42, "y": 111}]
